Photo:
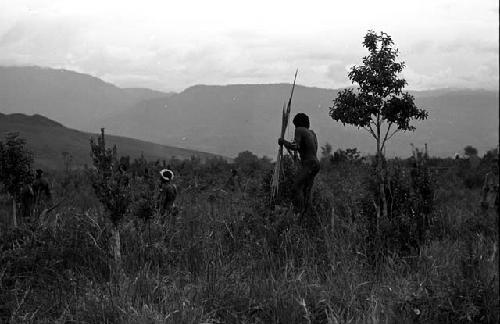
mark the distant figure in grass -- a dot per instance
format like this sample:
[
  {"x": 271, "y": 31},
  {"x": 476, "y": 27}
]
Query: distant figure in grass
[
  {"x": 41, "y": 190},
  {"x": 234, "y": 182},
  {"x": 489, "y": 197},
  {"x": 27, "y": 200},
  {"x": 168, "y": 193},
  {"x": 306, "y": 144}
]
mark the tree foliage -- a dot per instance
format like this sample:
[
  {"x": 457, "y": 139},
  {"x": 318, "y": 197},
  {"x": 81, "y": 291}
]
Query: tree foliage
[
  {"x": 378, "y": 104},
  {"x": 15, "y": 164},
  {"x": 349, "y": 154},
  {"x": 247, "y": 162},
  {"x": 109, "y": 179},
  {"x": 491, "y": 154},
  {"x": 470, "y": 150}
]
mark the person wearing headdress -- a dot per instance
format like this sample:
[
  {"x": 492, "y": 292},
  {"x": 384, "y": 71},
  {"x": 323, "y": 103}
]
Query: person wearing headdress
[
  {"x": 168, "y": 192},
  {"x": 306, "y": 144}
]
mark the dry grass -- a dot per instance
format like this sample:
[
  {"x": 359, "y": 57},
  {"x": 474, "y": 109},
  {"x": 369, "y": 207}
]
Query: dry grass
[{"x": 229, "y": 260}]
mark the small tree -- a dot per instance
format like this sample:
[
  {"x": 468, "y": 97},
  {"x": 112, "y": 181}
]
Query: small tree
[
  {"x": 247, "y": 162},
  {"x": 470, "y": 150},
  {"x": 111, "y": 186},
  {"x": 15, "y": 168},
  {"x": 378, "y": 104},
  {"x": 491, "y": 154},
  {"x": 350, "y": 155}
]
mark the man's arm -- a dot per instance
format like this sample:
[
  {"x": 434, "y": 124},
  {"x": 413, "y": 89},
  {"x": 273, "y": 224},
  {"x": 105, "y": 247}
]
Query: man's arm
[
  {"x": 294, "y": 146},
  {"x": 291, "y": 145}
]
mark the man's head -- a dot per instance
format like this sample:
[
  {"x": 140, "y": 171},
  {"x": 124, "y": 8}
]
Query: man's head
[
  {"x": 167, "y": 175},
  {"x": 301, "y": 120},
  {"x": 39, "y": 173}
]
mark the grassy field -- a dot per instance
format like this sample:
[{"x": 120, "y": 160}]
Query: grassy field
[{"x": 231, "y": 257}]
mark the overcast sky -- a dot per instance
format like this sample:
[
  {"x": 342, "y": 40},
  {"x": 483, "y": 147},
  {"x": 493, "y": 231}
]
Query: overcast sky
[{"x": 170, "y": 45}]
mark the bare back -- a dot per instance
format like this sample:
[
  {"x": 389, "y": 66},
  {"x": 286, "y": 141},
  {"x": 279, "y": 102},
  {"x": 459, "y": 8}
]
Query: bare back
[{"x": 307, "y": 143}]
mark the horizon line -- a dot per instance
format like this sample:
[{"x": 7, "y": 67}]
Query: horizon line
[{"x": 166, "y": 91}]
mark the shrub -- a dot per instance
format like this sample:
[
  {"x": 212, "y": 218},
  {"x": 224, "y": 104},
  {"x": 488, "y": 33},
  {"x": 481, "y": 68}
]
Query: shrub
[
  {"x": 15, "y": 168},
  {"x": 111, "y": 186}
]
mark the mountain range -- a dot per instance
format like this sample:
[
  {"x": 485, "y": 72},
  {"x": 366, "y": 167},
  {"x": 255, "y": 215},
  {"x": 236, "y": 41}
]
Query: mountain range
[
  {"x": 233, "y": 118},
  {"x": 75, "y": 99},
  {"x": 50, "y": 140}
]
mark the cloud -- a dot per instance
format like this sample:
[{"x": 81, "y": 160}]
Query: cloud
[
  {"x": 174, "y": 45},
  {"x": 472, "y": 46},
  {"x": 482, "y": 76},
  {"x": 12, "y": 35},
  {"x": 338, "y": 72},
  {"x": 42, "y": 41}
]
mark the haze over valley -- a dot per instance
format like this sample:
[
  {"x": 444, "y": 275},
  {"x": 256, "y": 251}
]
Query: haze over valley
[{"x": 229, "y": 119}]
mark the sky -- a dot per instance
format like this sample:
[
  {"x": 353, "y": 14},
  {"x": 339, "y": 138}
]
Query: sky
[{"x": 171, "y": 45}]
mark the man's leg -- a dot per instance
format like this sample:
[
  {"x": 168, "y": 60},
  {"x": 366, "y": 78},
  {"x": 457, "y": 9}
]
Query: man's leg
[
  {"x": 299, "y": 189},
  {"x": 307, "y": 193},
  {"x": 312, "y": 171}
]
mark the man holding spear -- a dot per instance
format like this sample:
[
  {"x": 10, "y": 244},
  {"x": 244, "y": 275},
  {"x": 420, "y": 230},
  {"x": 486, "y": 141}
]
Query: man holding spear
[{"x": 306, "y": 144}]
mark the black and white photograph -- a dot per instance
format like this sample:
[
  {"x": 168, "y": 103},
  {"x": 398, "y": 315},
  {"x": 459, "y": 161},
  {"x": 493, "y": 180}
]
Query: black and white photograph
[{"x": 221, "y": 161}]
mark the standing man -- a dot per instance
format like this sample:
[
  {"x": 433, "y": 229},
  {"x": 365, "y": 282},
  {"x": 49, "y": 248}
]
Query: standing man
[
  {"x": 489, "y": 197},
  {"x": 168, "y": 192},
  {"x": 234, "y": 181},
  {"x": 41, "y": 191},
  {"x": 27, "y": 200},
  {"x": 306, "y": 144}
]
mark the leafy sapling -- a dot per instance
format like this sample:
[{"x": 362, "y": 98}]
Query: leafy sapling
[
  {"x": 15, "y": 168},
  {"x": 378, "y": 104},
  {"x": 111, "y": 186}
]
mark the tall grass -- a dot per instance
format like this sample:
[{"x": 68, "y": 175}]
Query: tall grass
[{"x": 226, "y": 258}]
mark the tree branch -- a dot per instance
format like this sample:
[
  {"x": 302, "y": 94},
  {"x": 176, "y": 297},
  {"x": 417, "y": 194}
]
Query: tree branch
[
  {"x": 386, "y": 133},
  {"x": 387, "y": 136},
  {"x": 369, "y": 129},
  {"x": 395, "y": 131}
]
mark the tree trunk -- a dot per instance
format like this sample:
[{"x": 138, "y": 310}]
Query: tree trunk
[
  {"x": 385, "y": 212},
  {"x": 382, "y": 210},
  {"x": 116, "y": 250},
  {"x": 379, "y": 167},
  {"x": 332, "y": 218},
  {"x": 14, "y": 211}
]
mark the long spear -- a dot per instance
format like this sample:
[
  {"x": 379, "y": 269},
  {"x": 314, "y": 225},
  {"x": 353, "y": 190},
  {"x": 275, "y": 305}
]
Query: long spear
[{"x": 284, "y": 124}]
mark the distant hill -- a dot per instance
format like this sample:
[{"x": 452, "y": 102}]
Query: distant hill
[
  {"x": 229, "y": 119},
  {"x": 77, "y": 100},
  {"x": 48, "y": 139}
]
